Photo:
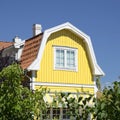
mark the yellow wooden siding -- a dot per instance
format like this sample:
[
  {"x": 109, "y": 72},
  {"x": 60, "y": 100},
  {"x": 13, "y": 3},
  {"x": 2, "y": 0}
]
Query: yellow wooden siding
[
  {"x": 48, "y": 74},
  {"x": 68, "y": 89}
]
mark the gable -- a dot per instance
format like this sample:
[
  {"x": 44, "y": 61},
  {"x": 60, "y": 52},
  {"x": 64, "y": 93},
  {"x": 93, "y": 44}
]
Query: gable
[
  {"x": 66, "y": 39},
  {"x": 96, "y": 70},
  {"x": 49, "y": 73}
]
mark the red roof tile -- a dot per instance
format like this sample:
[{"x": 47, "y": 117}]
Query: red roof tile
[
  {"x": 30, "y": 50},
  {"x": 4, "y": 45}
]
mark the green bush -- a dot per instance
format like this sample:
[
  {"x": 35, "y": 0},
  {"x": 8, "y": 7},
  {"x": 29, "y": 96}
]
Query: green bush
[{"x": 20, "y": 103}]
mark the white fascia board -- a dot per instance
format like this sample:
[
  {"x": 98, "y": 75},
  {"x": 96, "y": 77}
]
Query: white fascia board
[
  {"x": 98, "y": 71},
  {"x": 36, "y": 64}
]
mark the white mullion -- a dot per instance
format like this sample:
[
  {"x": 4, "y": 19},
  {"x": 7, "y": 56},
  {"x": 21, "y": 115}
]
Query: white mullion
[
  {"x": 55, "y": 63},
  {"x": 65, "y": 58},
  {"x": 61, "y": 113},
  {"x": 60, "y": 58},
  {"x": 76, "y": 59},
  {"x": 61, "y": 55},
  {"x": 51, "y": 113}
]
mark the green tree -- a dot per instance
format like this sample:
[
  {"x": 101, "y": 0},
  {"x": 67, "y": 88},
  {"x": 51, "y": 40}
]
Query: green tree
[
  {"x": 16, "y": 101},
  {"x": 20, "y": 103},
  {"x": 108, "y": 106}
]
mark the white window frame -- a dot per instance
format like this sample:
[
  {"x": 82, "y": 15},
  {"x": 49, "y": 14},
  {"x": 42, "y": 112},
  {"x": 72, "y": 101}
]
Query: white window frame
[
  {"x": 60, "y": 115},
  {"x": 65, "y": 67}
]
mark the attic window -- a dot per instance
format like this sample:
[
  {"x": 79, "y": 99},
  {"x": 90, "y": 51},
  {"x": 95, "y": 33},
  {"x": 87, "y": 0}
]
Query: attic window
[{"x": 65, "y": 58}]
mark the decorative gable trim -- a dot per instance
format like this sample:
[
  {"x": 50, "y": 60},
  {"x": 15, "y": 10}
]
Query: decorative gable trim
[{"x": 97, "y": 71}]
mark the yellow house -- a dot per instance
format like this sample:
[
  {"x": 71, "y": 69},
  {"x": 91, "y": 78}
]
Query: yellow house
[{"x": 62, "y": 59}]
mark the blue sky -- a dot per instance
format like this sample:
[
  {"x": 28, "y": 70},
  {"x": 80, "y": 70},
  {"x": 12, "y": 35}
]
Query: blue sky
[{"x": 99, "y": 19}]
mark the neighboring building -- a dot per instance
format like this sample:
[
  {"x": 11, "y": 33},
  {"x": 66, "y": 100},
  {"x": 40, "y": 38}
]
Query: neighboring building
[
  {"x": 10, "y": 51},
  {"x": 5, "y": 52},
  {"x": 60, "y": 58}
]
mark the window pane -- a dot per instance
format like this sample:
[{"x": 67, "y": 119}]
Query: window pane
[
  {"x": 46, "y": 114},
  {"x": 71, "y": 58},
  {"x": 57, "y": 53},
  {"x": 66, "y": 115},
  {"x": 57, "y": 57},
  {"x": 60, "y": 58},
  {"x": 56, "y": 113}
]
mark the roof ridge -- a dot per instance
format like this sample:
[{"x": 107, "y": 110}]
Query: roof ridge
[{"x": 6, "y": 41}]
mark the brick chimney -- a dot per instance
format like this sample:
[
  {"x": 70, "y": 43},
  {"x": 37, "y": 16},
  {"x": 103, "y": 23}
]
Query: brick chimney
[{"x": 37, "y": 29}]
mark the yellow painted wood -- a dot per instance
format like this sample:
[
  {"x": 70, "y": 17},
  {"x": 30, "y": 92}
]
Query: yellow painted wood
[
  {"x": 48, "y": 74},
  {"x": 68, "y": 89}
]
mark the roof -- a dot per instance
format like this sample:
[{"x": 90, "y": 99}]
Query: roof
[
  {"x": 30, "y": 50},
  {"x": 97, "y": 71},
  {"x": 4, "y": 45}
]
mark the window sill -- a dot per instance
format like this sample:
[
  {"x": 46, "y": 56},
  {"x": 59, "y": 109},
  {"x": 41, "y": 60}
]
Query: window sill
[{"x": 66, "y": 69}]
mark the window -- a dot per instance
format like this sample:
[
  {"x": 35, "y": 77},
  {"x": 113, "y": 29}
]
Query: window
[
  {"x": 60, "y": 114},
  {"x": 55, "y": 113},
  {"x": 65, "y": 114},
  {"x": 65, "y": 58}
]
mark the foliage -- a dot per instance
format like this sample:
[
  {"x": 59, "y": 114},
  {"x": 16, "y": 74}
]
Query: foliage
[
  {"x": 79, "y": 107},
  {"x": 20, "y": 103},
  {"x": 17, "y": 102},
  {"x": 98, "y": 84},
  {"x": 108, "y": 106}
]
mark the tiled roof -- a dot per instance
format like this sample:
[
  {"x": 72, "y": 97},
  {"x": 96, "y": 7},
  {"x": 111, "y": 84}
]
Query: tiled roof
[
  {"x": 30, "y": 50},
  {"x": 4, "y": 45}
]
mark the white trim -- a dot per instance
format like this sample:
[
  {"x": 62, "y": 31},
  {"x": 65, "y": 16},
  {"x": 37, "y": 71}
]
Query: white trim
[
  {"x": 63, "y": 85},
  {"x": 32, "y": 81},
  {"x": 95, "y": 68},
  {"x": 95, "y": 88}
]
